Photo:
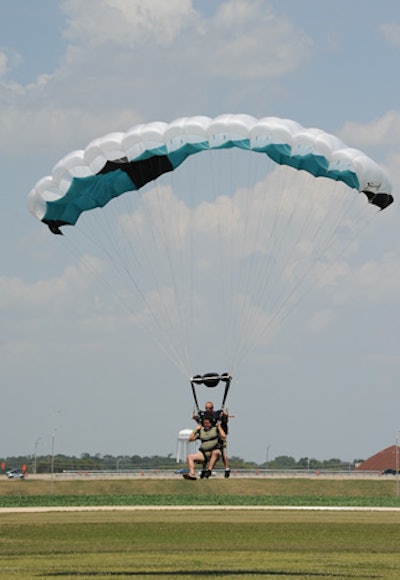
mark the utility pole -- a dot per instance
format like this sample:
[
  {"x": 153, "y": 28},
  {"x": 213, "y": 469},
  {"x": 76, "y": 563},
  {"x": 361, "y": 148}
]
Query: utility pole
[
  {"x": 35, "y": 454},
  {"x": 397, "y": 466},
  {"x": 267, "y": 457}
]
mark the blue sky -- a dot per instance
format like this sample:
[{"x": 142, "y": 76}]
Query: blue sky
[{"x": 73, "y": 70}]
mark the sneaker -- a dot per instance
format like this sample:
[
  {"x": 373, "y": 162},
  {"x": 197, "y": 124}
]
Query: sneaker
[
  {"x": 207, "y": 473},
  {"x": 227, "y": 472}
]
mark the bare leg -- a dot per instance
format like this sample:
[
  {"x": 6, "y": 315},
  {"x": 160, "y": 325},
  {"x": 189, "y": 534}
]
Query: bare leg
[
  {"x": 192, "y": 459},
  {"x": 191, "y": 464},
  {"x": 215, "y": 455},
  {"x": 225, "y": 458}
]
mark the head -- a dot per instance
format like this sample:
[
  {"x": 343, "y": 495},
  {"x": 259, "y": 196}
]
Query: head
[
  {"x": 209, "y": 407},
  {"x": 207, "y": 422}
]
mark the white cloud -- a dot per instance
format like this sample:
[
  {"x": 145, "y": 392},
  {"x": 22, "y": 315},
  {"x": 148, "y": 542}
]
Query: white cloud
[
  {"x": 127, "y": 24},
  {"x": 3, "y": 63},
  {"x": 118, "y": 52},
  {"x": 382, "y": 134},
  {"x": 372, "y": 282},
  {"x": 243, "y": 40},
  {"x": 383, "y": 131},
  {"x": 53, "y": 295},
  {"x": 251, "y": 41},
  {"x": 321, "y": 320},
  {"x": 393, "y": 167},
  {"x": 391, "y": 32},
  {"x": 58, "y": 128},
  {"x": 380, "y": 280},
  {"x": 9, "y": 60}
]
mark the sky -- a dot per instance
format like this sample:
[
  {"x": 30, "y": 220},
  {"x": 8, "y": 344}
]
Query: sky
[{"x": 86, "y": 379}]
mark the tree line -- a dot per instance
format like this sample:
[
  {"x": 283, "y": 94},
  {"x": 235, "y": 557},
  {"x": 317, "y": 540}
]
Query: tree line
[{"x": 87, "y": 462}]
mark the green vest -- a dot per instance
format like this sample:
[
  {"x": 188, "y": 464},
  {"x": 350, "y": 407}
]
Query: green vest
[{"x": 209, "y": 439}]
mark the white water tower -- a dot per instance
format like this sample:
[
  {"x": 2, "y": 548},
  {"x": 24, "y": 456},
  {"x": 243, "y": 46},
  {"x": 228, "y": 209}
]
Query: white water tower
[{"x": 184, "y": 446}]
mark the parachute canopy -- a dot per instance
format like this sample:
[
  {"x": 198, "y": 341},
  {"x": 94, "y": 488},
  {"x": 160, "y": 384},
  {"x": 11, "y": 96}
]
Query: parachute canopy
[
  {"x": 122, "y": 162},
  {"x": 210, "y": 252}
]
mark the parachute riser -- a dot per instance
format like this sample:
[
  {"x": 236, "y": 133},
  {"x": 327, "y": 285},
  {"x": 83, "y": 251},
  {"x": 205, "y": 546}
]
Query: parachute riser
[
  {"x": 195, "y": 397},
  {"x": 211, "y": 380}
]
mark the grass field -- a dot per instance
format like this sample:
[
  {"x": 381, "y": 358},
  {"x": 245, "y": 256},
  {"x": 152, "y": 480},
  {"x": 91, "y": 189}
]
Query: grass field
[
  {"x": 206, "y": 543},
  {"x": 218, "y": 491}
]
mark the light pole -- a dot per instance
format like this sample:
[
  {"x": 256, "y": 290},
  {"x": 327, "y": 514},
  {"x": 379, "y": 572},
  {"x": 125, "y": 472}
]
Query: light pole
[
  {"x": 397, "y": 465},
  {"x": 53, "y": 440},
  {"x": 35, "y": 454},
  {"x": 267, "y": 457}
]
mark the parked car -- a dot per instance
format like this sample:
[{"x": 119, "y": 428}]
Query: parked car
[
  {"x": 389, "y": 472},
  {"x": 16, "y": 473},
  {"x": 182, "y": 471}
]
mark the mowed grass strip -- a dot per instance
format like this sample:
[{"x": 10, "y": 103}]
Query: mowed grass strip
[
  {"x": 246, "y": 492},
  {"x": 214, "y": 544}
]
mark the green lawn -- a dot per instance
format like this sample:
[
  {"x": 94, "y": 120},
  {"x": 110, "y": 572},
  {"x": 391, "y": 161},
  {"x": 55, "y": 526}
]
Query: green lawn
[
  {"x": 138, "y": 491},
  {"x": 200, "y": 543},
  {"x": 214, "y": 544}
]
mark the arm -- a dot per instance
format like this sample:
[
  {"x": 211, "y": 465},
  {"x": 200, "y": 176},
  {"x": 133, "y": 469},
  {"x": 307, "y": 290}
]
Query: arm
[
  {"x": 222, "y": 416},
  {"x": 197, "y": 417},
  {"x": 221, "y": 432},
  {"x": 195, "y": 433}
]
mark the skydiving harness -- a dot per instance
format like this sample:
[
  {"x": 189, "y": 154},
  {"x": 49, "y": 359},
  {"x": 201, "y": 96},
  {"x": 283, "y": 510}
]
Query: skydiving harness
[{"x": 210, "y": 380}]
